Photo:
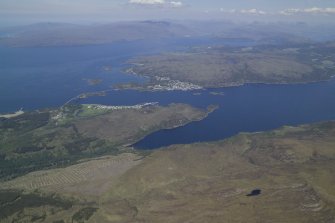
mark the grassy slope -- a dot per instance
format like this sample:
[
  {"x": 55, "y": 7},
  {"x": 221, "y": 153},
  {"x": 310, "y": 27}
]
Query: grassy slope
[
  {"x": 47, "y": 139},
  {"x": 127, "y": 126},
  {"x": 208, "y": 182},
  {"x": 217, "y": 67}
]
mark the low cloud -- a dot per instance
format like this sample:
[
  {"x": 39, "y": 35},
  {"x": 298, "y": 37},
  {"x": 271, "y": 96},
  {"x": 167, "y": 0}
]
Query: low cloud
[
  {"x": 285, "y": 12},
  {"x": 244, "y": 11},
  {"x": 173, "y": 4},
  {"x": 176, "y": 4},
  {"x": 147, "y": 2},
  {"x": 314, "y": 10},
  {"x": 253, "y": 12}
]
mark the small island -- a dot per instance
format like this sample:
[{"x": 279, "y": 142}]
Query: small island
[
  {"x": 92, "y": 94},
  {"x": 93, "y": 82},
  {"x": 215, "y": 93},
  {"x": 107, "y": 68}
]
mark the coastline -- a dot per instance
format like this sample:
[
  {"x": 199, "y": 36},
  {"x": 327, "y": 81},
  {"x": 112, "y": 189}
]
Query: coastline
[
  {"x": 12, "y": 115},
  {"x": 210, "y": 109},
  {"x": 154, "y": 82}
]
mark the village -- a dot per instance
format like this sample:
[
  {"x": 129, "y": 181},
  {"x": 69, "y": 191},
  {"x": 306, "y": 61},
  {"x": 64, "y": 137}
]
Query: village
[
  {"x": 165, "y": 84},
  {"x": 114, "y": 107}
]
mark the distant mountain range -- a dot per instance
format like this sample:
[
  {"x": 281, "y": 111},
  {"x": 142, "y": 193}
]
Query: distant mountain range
[
  {"x": 55, "y": 34},
  {"x": 63, "y": 34}
]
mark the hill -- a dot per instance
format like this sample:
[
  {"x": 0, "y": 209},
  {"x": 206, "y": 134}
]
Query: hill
[
  {"x": 285, "y": 175},
  {"x": 230, "y": 66}
]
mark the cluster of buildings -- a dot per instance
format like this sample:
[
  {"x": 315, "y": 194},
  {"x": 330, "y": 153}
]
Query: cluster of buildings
[
  {"x": 173, "y": 85},
  {"x": 113, "y": 107}
]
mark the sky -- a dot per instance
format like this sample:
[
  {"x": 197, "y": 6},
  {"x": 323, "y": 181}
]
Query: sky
[{"x": 100, "y": 11}]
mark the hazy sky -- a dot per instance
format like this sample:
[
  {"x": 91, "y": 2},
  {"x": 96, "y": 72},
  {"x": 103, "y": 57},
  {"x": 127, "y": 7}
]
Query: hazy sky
[{"x": 28, "y": 11}]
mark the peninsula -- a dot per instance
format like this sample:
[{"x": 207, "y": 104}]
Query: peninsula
[
  {"x": 55, "y": 138},
  {"x": 231, "y": 66}
]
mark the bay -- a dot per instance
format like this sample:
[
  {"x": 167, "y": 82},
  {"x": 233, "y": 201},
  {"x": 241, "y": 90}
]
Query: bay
[{"x": 35, "y": 78}]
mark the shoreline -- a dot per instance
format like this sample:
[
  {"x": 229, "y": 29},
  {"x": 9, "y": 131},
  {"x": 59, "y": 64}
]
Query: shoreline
[
  {"x": 209, "y": 110},
  {"x": 12, "y": 115},
  {"x": 149, "y": 87},
  {"x": 143, "y": 88}
]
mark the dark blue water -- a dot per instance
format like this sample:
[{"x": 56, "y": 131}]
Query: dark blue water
[
  {"x": 249, "y": 108},
  {"x": 35, "y": 78}
]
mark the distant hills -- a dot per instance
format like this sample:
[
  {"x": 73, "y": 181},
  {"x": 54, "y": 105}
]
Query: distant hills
[
  {"x": 56, "y": 34},
  {"x": 64, "y": 34}
]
